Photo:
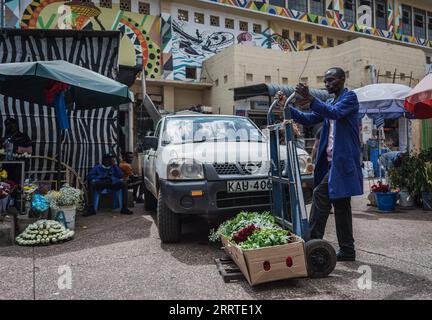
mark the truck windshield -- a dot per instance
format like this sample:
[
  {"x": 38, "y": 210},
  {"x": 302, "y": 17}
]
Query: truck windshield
[{"x": 199, "y": 129}]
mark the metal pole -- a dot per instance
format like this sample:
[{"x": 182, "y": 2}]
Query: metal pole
[{"x": 59, "y": 156}]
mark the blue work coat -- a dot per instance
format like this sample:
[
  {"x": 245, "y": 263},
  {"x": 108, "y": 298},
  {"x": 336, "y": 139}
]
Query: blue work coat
[
  {"x": 345, "y": 177},
  {"x": 98, "y": 173}
]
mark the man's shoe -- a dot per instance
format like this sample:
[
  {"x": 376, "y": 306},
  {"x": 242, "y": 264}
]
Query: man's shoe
[
  {"x": 345, "y": 257},
  {"x": 126, "y": 211}
]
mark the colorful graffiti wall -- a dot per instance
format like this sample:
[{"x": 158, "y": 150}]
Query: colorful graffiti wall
[
  {"x": 140, "y": 40},
  {"x": 334, "y": 17}
]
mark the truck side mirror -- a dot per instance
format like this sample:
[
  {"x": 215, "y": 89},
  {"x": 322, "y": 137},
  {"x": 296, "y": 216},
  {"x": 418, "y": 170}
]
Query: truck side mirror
[{"x": 151, "y": 142}]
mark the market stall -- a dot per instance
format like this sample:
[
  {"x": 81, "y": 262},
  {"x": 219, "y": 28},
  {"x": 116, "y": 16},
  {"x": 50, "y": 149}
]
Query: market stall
[{"x": 63, "y": 86}]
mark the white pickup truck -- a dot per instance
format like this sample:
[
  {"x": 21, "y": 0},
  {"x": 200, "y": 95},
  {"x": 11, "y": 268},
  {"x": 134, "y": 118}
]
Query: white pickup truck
[{"x": 208, "y": 165}]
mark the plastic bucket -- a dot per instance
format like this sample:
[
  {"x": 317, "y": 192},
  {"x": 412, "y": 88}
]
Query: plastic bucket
[
  {"x": 427, "y": 200},
  {"x": 405, "y": 199},
  {"x": 69, "y": 216},
  {"x": 386, "y": 201}
]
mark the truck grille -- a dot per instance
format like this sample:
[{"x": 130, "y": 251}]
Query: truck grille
[
  {"x": 226, "y": 168},
  {"x": 242, "y": 199}
]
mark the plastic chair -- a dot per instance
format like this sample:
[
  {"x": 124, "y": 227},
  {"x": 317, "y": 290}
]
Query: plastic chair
[{"x": 117, "y": 194}]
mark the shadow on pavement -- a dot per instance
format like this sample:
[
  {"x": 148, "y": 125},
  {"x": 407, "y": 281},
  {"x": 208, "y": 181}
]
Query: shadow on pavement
[
  {"x": 100, "y": 230},
  {"x": 407, "y": 215}
]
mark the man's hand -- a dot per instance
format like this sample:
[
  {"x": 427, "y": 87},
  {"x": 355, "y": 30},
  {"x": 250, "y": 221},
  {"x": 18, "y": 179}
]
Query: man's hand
[
  {"x": 303, "y": 91},
  {"x": 281, "y": 97}
]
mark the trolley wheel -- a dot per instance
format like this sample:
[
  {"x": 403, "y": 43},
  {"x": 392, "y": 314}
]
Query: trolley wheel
[{"x": 320, "y": 257}]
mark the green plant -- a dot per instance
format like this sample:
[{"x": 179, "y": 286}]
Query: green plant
[{"x": 428, "y": 177}]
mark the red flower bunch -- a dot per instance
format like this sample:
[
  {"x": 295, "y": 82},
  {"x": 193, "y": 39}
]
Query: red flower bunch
[
  {"x": 380, "y": 187},
  {"x": 244, "y": 233}
]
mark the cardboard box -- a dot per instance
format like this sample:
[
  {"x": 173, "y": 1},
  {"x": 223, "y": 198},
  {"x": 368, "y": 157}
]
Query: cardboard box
[{"x": 270, "y": 263}]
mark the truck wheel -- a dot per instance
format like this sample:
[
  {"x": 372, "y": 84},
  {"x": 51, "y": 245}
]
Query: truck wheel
[
  {"x": 320, "y": 258},
  {"x": 169, "y": 224},
  {"x": 150, "y": 202}
]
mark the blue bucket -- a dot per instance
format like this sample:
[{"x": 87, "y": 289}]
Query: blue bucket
[
  {"x": 427, "y": 200},
  {"x": 386, "y": 201}
]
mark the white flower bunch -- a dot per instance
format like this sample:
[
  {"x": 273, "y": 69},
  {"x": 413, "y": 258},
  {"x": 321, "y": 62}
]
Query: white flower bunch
[
  {"x": 44, "y": 232},
  {"x": 66, "y": 196}
]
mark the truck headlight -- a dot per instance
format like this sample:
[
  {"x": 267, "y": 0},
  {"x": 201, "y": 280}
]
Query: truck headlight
[{"x": 184, "y": 169}]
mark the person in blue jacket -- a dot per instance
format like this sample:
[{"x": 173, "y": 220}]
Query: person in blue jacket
[
  {"x": 338, "y": 174},
  {"x": 106, "y": 176}
]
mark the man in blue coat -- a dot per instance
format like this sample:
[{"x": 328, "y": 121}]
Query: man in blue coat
[
  {"x": 106, "y": 176},
  {"x": 338, "y": 174}
]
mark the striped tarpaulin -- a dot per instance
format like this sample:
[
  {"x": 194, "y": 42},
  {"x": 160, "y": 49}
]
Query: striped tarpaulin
[{"x": 92, "y": 132}]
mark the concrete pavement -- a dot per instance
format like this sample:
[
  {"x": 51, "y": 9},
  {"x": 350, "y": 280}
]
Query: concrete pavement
[{"x": 121, "y": 257}]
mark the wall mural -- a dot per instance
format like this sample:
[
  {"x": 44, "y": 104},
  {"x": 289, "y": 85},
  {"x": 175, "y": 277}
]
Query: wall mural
[
  {"x": 140, "y": 41},
  {"x": 193, "y": 43},
  {"x": 334, "y": 18}
]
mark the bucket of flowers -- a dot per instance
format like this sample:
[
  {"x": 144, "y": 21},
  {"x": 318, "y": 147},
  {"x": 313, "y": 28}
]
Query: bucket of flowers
[
  {"x": 385, "y": 197},
  {"x": 66, "y": 202},
  {"x": 29, "y": 189},
  {"x": 6, "y": 188}
]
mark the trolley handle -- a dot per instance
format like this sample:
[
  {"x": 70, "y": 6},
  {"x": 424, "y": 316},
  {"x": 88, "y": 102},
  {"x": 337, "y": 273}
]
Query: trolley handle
[{"x": 274, "y": 104}]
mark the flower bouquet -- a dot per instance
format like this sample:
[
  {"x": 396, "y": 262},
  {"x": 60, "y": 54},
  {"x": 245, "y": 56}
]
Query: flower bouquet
[
  {"x": 65, "y": 202},
  {"x": 385, "y": 198}
]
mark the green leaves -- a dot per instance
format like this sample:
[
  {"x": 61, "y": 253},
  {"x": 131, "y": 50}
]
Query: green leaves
[
  {"x": 267, "y": 238},
  {"x": 263, "y": 220}
]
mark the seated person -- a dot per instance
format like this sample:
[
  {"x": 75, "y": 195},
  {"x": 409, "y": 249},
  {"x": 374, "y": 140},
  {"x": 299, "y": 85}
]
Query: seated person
[
  {"x": 20, "y": 141},
  {"x": 106, "y": 176},
  {"x": 134, "y": 181}
]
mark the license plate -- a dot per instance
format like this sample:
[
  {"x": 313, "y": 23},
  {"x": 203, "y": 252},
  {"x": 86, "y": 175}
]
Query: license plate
[{"x": 248, "y": 185}]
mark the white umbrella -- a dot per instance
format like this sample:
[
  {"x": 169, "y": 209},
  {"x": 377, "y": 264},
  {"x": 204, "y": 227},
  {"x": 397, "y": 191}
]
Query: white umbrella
[{"x": 383, "y": 99}]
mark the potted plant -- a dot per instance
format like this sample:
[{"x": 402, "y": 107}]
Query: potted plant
[
  {"x": 427, "y": 187},
  {"x": 399, "y": 177},
  {"x": 385, "y": 198},
  {"x": 67, "y": 200}
]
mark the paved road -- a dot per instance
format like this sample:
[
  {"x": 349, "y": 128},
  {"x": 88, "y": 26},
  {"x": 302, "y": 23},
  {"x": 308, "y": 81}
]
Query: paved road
[{"x": 121, "y": 257}]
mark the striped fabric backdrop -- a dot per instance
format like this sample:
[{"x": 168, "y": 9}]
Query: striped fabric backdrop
[{"x": 92, "y": 132}]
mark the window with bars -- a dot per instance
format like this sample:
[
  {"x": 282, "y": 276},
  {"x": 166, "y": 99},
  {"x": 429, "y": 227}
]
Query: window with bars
[
  {"x": 191, "y": 72},
  {"x": 125, "y": 5},
  {"x": 330, "y": 42},
  {"x": 105, "y": 3},
  {"x": 183, "y": 15},
  {"x": 320, "y": 40},
  {"x": 430, "y": 25},
  {"x": 317, "y": 7},
  {"x": 229, "y": 23},
  {"x": 419, "y": 23},
  {"x": 285, "y": 33},
  {"x": 267, "y": 79},
  {"x": 406, "y": 20},
  {"x": 297, "y": 36},
  {"x": 349, "y": 11},
  {"x": 308, "y": 38},
  {"x": 243, "y": 26},
  {"x": 199, "y": 18},
  {"x": 144, "y": 8},
  {"x": 381, "y": 14},
  {"x": 299, "y": 5},
  {"x": 257, "y": 28},
  {"x": 214, "y": 21},
  {"x": 279, "y": 3},
  {"x": 284, "y": 80}
]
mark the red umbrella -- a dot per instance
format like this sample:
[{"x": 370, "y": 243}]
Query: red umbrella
[{"x": 419, "y": 100}]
